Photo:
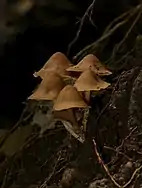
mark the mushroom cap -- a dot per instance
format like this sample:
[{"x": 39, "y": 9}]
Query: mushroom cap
[
  {"x": 57, "y": 62},
  {"x": 69, "y": 98},
  {"x": 88, "y": 81},
  {"x": 49, "y": 88},
  {"x": 92, "y": 62},
  {"x": 43, "y": 72}
]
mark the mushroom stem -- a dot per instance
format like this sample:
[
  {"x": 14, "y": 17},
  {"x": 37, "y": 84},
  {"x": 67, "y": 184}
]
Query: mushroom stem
[
  {"x": 69, "y": 121},
  {"x": 87, "y": 96},
  {"x": 68, "y": 115},
  {"x": 78, "y": 114}
]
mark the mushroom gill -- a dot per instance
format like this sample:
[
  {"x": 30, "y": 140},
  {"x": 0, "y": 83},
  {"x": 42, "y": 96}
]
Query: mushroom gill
[
  {"x": 67, "y": 115},
  {"x": 69, "y": 98},
  {"x": 49, "y": 87},
  {"x": 57, "y": 62},
  {"x": 92, "y": 62}
]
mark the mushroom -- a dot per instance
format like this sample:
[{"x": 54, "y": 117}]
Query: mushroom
[
  {"x": 90, "y": 61},
  {"x": 69, "y": 98},
  {"x": 49, "y": 87},
  {"x": 57, "y": 62},
  {"x": 88, "y": 81}
]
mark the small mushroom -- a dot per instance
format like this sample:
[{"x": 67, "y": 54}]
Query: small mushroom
[
  {"x": 69, "y": 98},
  {"x": 90, "y": 61},
  {"x": 57, "y": 62},
  {"x": 88, "y": 81},
  {"x": 49, "y": 87},
  {"x": 65, "y": 105}
]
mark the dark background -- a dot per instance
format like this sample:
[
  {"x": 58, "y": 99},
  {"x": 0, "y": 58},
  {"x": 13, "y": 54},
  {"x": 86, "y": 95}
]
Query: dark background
[{"x": 36, "y": 35}]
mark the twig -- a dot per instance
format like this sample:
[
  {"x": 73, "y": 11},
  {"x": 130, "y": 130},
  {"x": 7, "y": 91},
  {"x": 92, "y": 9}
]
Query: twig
[
  {"x": 107, "y": 105},
  {"x": 5, "y": 178},
  {"x": 126, "y": 35},
  {"x": 85, "y": 50},
  {"x": 59, "y": 149},
  {"x": 89, "y": 9},
  {"x": 123, "y": 57},
  {"x": 129, "y": 135},
  {"x": 69, "y": 128},
  {"x": 132, "y": 177},
  {"x": 130, "y": 29},
  {"x": 118, "y": 152},
  {"x": 90, "y": 16},
  {"x": 117, "y": 149},
  {"x": 137, "y": 182},
  {"x": 103, "y": 165},
  {"x": 107, "y": 33},
  {"x": 129, "y": 13},
  {"x": 44, "y": 184},
  {"x": 108, "y": 173}
]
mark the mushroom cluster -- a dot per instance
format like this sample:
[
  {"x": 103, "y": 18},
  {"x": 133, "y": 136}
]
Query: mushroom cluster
[{"x": 70, "y": 98}]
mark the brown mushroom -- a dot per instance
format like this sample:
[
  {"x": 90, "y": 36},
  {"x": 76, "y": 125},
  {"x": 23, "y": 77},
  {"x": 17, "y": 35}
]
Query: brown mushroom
[
  {"x": 69, "y": 98},
  {"x": 49, "y": 87},
  {"x": 65, "y": 105},
  {"x": 88, "y": 81},
  {"x": 57, "y": 62},
  {"x": 92, "y": 62}
]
